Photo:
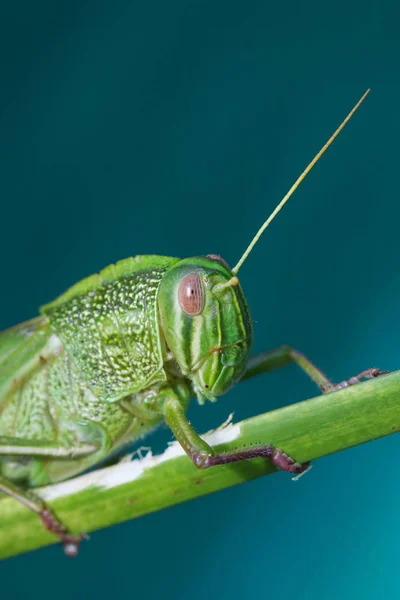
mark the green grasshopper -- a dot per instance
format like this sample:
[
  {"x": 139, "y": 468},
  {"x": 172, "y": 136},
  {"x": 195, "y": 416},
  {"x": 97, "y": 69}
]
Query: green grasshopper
[{"x": 119, "y": 353}]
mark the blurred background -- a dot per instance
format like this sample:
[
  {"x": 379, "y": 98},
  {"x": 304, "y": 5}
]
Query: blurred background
[{"x": 175, "y": 128}]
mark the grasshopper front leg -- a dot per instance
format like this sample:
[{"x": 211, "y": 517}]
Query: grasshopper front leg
[
  {"x": 283, "y": 355},
  {"x": 203, "y": 456}
]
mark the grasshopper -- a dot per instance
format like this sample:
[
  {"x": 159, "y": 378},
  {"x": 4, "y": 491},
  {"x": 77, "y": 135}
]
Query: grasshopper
[{"x": 119, "y": 353}]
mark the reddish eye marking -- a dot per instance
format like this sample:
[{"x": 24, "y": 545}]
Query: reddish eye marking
[{"x": 191, "y": 294}]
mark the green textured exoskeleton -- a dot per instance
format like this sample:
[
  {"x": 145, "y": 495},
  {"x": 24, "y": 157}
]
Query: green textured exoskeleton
[
  {"x": 119, "y": 353},
  {"x": 89, "y": 375}
]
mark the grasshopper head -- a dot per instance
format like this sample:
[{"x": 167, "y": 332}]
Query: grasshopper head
[
  {"x": 204, "y": 314},
  {"x": 206, "y": 323}
]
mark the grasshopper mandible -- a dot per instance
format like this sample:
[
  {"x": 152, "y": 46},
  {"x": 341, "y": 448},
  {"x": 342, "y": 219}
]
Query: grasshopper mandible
[{"x": 122, "y": 351}]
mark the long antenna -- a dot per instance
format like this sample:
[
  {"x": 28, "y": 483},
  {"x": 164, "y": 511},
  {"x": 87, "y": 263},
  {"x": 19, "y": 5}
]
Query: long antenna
[{"x": 295, "y": 186}]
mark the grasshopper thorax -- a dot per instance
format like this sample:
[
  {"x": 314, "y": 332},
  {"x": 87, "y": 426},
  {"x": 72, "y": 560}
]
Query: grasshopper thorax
[{"x": 206, "y": 323}]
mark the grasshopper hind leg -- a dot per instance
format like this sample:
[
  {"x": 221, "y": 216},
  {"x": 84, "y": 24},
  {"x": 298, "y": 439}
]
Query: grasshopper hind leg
[{"x": 32, "y": 502}]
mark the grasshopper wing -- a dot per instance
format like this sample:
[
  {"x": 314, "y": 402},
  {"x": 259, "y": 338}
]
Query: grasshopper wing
[{"x": 20, "y": 349}]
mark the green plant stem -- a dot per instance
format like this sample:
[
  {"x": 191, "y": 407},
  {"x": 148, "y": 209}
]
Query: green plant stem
[{"x": 306, "y": 430}]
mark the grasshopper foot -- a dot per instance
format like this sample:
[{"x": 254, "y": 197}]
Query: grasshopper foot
[
  {"x": 366, "y": 374},
  {"x": 286, "y": 463},
  {"x": 70, "y": 542},
  {"x": 282, "y": 461}
]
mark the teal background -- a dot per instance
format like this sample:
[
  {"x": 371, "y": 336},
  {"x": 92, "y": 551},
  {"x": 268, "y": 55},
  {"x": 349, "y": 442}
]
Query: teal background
[{"x": 175, "y": 128}]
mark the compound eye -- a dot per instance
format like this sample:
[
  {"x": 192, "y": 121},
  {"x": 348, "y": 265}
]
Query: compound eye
[{"x": 191, "y": 294}]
